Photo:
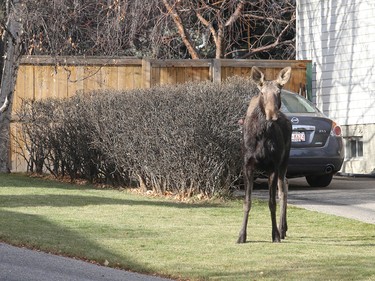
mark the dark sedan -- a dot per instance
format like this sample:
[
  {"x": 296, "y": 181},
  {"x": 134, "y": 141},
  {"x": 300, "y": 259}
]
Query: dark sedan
[{"x": 317, "y": 151}]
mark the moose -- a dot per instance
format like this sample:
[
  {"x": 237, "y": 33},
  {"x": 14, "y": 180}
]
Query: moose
[{"x": 266, "y": 145}]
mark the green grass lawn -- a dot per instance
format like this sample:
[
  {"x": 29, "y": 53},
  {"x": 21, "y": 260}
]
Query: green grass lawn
[{"x": 190, "y": 241}]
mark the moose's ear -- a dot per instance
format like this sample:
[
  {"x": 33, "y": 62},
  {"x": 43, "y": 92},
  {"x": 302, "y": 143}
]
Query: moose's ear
[
  {"x": 257, "y": 76},
  {"x": 284, "y": 75}
]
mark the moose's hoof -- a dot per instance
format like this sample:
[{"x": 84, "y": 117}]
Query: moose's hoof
[
  {"x": 241, "y": 240},
  {"x": 276, "y": 237}
]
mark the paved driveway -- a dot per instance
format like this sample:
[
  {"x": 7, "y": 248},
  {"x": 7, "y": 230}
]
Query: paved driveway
[{"x": 346, "y": 196}]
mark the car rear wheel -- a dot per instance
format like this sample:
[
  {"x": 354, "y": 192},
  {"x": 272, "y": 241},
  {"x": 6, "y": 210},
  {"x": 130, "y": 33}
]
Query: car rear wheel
[{"x": 320, "y": 180}]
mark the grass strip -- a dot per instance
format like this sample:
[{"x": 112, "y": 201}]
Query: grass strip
[{"x": 194, "y": 241}]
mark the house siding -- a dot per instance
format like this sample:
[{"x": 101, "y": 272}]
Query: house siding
[{"x": 339, "y": 38}]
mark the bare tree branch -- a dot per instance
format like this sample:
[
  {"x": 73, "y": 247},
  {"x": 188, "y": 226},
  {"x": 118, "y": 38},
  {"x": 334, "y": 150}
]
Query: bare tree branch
[
  {"x": 239, "y": 28},
  {"x": 182, "y": 30},
  {"x": 237, "y": 13},
  {"x": 159, "y": 29},
  {"x": 271, "y": 19},
  {"x": 218, "y": 33},
  {"x": 5, "y": 105},
  {"x": 277, "y": 42}
]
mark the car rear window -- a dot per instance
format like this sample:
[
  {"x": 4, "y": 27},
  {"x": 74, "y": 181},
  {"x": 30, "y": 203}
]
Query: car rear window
[{"x": 293, "y": 103}]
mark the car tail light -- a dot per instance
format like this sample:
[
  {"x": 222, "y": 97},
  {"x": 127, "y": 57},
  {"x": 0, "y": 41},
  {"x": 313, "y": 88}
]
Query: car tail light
[{"x": 336, "y": 130}]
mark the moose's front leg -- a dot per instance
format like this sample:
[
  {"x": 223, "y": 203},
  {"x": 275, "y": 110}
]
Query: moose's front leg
[
  {"x": 272, "y": 185},
  {"x": 248, "y": 180},
  {"x": 283, "y": 195}
]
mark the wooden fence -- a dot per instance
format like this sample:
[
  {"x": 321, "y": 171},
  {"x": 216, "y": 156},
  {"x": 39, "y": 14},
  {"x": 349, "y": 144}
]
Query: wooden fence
[{"x": 42, "y": 77}]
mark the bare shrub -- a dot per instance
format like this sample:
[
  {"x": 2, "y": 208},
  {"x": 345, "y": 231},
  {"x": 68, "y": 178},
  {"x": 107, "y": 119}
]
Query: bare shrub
[{"x": 184, "y": 139}]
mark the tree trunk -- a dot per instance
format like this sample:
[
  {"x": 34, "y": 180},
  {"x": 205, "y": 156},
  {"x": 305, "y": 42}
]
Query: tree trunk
[{"x": 12, "y": 44}]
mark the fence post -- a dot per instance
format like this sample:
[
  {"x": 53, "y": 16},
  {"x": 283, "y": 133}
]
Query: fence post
[
  {"x": 216, "y": 70},
  {"x": 309, "y": 72},
  {"x": 146, "y": 73}
]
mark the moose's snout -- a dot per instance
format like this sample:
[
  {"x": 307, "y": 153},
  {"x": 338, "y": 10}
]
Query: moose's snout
[
  {"x": 271, "y": 115},
  {"x": 271, "y": 109}
]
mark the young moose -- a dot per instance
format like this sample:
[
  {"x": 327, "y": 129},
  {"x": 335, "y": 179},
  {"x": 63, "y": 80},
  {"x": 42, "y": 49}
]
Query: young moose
[{"x": 266, "y": 146}]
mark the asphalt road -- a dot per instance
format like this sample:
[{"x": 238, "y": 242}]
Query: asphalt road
[
  {"x": 19, "y": 264},
  {"x": 346, "y": 196}
]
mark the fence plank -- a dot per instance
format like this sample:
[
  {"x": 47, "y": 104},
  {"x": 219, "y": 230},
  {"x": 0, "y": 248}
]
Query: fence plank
[
  {"x": 125, "y": 79},
  {"x": 180, "y": 75},
  {"x": 61, "y": 82},
  {"x": 205, "y": 74},
  {"x": 146, "y": 74},
  {"x": 137, "y": 76},
  {"x": 75, "y": 77},
  {"x": 39, "y": 84},
  {"x": 24, "y": 87}
]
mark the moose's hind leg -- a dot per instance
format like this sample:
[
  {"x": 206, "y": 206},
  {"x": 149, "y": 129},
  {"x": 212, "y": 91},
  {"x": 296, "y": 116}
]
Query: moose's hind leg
[{"x": 283, "y": 195}]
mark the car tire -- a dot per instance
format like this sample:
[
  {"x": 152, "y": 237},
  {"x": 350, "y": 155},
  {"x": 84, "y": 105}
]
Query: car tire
[{"x": 320, "y": 180}]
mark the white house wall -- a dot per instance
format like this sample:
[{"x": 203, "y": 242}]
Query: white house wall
[{"x": 339, "y": 38}]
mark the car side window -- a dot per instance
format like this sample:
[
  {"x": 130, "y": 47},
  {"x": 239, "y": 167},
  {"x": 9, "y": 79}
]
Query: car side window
[{"x": 292, "y": 103}]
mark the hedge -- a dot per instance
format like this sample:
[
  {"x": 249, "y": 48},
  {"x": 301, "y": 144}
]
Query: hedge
[{"x": 183, "y": 138}]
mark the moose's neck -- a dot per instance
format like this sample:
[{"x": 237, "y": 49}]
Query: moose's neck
[{"x": 256, "y": 108}]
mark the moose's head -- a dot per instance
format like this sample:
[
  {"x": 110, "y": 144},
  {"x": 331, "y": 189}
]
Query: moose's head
[{"x": 270, "y": 90}]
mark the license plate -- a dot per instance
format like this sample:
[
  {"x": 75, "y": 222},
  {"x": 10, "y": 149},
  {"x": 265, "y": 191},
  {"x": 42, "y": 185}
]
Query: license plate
[{"x": 298, "y": 136}]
